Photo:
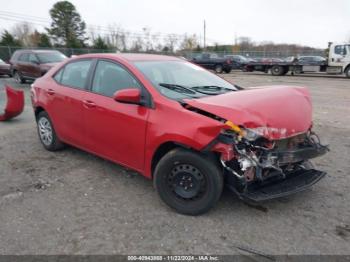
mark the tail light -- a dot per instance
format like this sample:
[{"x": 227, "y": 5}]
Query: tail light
[{"x": 228, "y": 61}]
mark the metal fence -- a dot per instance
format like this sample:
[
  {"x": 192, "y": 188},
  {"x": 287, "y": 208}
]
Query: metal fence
[{"x": 7, "y": 51}]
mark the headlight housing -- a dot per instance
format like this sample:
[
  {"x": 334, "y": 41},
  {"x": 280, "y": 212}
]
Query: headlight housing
[{"x": 252, "y": 134}]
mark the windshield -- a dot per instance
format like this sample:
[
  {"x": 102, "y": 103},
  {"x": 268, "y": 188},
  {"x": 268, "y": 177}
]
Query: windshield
[
  {"x": 180, "y": 79},
  {"x": 52, "y": 57}
]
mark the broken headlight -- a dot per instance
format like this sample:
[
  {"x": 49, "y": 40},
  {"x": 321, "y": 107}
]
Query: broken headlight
[{"x": 250, "y": 134}]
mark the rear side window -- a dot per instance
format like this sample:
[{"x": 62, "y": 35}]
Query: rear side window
[
  {"x": 24, "y": 57},
  {"x": 110, "y": 77},
  {"x": 58, "y": 76},
  {"x": 74, "y": 74},
  {"x": 33, "y": 59}
]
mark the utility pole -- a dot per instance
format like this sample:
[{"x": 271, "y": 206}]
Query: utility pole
[{"x": 204, "y": 37}]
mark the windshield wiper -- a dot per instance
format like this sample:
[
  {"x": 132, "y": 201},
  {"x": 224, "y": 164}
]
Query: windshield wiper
[
  {"x": 209, "y": 90},
  {"x": 178, "y": 88}
]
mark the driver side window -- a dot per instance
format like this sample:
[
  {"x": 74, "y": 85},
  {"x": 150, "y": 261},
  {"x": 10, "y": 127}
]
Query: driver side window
[
  {"x": 110, "y": 78},
  {"x": 340, "y": 50}
]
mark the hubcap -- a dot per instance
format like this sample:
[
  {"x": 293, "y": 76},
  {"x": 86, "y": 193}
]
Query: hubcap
[
  {"x": 186, "y": 181},
  {"x": 218, "y": 69},
  {"x": 45, "y": 131}
]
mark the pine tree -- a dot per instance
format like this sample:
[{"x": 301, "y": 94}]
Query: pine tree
[
  {"x": 8, "y": 40},
  {"x": 99, "y": 43},
  {"x": 67, "y": 27}
]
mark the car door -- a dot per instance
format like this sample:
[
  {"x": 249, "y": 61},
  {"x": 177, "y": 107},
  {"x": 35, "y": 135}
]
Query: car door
[
  {"x": 23, "y": 64},
  {"x": 115, "y": 130},
  {"x": 338, "y": 55},
  {"x": 65, "y": 101},
  {"x": 33, "y": 66}
]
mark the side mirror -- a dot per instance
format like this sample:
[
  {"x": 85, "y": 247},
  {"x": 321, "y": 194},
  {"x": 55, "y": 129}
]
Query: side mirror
[{"x": 129, "y": 96}]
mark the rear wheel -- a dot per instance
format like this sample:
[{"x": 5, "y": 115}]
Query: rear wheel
[
  {"x": 18, "y": 78},
  {"x": 218, "y": 69},
  {"x": 188, "y": 182},
  {"x": 227, "y": 71},
  {"x": 47, "y": 133},
  {"x": 277, "y": 70}
]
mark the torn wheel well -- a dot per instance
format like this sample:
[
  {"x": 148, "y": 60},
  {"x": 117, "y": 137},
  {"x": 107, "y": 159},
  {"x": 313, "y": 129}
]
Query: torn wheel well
[
  {"x": 38, "y": 110},
  {"x": 168, "y": 146},
  {"x": 161, "y": 151}
]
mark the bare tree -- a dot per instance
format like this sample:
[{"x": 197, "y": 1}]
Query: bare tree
[
  {"x": 189, "y": 42},
  {"x": 23, "y": 31},
  {"x": 171, "y": 42}
]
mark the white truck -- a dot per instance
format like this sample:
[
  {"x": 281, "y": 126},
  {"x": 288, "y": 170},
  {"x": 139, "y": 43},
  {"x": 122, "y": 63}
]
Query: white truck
[{"x": 338, "y": 62}]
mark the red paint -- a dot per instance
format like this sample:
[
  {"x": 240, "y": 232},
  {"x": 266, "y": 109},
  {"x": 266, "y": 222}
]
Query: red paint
[
  {"x": 130, "y": 134},
  {"x": 128, "y": 96},
  {"x": 15, "y": 104},
  {"x": 277, "y": 108}
]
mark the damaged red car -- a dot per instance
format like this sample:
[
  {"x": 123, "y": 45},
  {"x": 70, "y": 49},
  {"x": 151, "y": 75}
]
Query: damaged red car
[{"x": 176, "y": 123}]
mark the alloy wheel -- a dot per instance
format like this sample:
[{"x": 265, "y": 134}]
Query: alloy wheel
[{"x": 45, "y": 131}]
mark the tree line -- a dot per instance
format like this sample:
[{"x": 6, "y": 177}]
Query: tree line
[{"x": 68, "y": 29}]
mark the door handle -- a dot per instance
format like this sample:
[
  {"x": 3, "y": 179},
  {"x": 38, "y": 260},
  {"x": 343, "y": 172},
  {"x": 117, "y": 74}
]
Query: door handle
[
  {"x": 89, "y": 104},
  {"x": 50, "y": 92}
]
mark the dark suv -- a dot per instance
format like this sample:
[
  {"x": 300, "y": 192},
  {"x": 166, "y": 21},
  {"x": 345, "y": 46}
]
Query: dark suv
[{"x": 31, "y": 64}]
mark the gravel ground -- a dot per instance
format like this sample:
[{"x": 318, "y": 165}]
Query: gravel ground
[{"x": 72, "y": 202}]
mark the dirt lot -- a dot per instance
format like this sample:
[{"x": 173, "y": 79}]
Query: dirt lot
[{"x": 71, "y": 202}]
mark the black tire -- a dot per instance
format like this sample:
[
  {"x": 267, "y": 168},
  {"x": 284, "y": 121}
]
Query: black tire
[
  {"x": 277, "y": 70},
  {"x": 219, "y": 69},
  {"x": 347, "y": 72},
  {"x": 227, "y": 71},
  {"x": 200, "y": 174},
  {"x": 18, "y": 78},
  {"x": 52, "y": 144}
]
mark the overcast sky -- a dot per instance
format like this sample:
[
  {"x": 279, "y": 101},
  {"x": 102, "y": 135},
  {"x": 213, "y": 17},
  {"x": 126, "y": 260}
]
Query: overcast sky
[{"x": 309, "y": 22}]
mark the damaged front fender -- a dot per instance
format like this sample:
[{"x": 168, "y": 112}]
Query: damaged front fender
[{"x": 15, "y": 103}]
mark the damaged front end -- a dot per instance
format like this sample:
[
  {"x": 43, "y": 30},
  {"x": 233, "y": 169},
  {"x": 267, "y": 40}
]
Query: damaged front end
[{"x": 258, "y": 169}]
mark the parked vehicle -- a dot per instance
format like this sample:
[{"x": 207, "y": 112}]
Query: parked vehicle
[
  {"x": 338, "y": 62},
  {"x": 213, "y": 62},
  {"x": 311, "y": 60},
  {"x": 4, "y": 68},
  {"x": 268, "y": 60},
  {"x": 186, "y": 128},
  {"x": 238, "y": 61},
  {"x": 31, "y": 64}
]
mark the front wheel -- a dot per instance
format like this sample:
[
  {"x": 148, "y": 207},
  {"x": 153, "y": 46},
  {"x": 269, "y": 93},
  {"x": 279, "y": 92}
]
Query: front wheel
[
  {"x": 347, "y": 72},
  {"x": 47, "y": 133},
  {"x": 188, "y": 182}
]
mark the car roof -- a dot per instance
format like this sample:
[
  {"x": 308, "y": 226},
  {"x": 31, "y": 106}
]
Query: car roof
[
  {"x": 131, "y": 57},
  {"x": 35, "y": 51}
]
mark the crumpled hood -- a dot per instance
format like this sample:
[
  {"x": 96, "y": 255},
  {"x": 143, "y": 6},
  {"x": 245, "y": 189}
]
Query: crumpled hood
[{"x": 280, "y": 111}]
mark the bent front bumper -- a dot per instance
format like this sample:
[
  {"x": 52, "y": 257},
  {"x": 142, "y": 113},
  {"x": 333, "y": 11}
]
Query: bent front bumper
[
  {"x": 294, "y": 182},
  {"x": 15, "y": 104},
  {"x": 297, "y": 155},
  {"x": 279, "y": 173}
]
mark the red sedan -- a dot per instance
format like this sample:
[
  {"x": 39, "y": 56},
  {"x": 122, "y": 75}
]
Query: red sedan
[{"x": 176, "y": 123}]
